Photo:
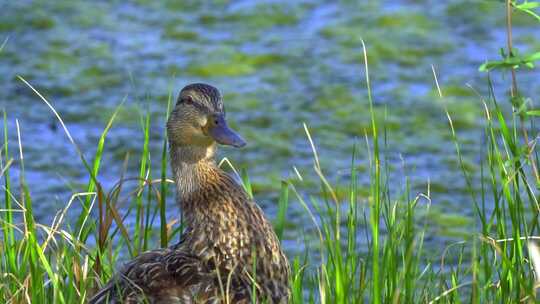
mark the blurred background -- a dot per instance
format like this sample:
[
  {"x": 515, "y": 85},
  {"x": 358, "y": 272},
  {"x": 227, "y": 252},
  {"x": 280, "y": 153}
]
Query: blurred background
[{"x": 279, "y": 64}]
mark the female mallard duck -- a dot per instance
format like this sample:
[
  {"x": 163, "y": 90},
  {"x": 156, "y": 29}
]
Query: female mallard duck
[{"x": 228, "y": 252}]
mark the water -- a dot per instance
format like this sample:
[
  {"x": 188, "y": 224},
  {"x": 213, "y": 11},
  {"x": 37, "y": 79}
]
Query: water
[{"x": 278, "y": 65}]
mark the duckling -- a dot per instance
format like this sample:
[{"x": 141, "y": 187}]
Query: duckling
[{"x": 228, "y": 252}]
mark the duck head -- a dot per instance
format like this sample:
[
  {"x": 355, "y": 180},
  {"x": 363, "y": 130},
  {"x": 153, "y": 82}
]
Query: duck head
[{"x": 198, "y": 119}]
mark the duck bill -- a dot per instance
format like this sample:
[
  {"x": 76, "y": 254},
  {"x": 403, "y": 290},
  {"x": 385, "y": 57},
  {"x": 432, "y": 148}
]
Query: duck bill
[{"x": 224, "y": 135}]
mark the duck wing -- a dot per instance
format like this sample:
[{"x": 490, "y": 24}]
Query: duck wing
[{"x": 160, "y": 276}]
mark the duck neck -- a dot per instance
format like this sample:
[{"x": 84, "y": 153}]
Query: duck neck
[{"x": 190, "y": 166}]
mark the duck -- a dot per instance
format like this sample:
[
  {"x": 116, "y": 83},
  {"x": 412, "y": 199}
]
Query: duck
[{"x": 228, "y": 251}]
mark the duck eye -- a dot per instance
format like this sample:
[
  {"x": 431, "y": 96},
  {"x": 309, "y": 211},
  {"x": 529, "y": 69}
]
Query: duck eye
[
  {"x": 185, "y": 99},
  {"x": 188, "y": 99}
]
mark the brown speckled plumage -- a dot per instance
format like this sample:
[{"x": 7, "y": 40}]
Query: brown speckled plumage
[{"x": 228, "y": 248}]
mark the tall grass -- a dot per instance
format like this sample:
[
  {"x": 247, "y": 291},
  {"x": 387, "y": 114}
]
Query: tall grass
[{"x": 366, "y": 248}]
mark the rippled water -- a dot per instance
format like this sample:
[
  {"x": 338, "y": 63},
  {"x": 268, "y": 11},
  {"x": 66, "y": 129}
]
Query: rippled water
[{"x": 278, "y": 65}]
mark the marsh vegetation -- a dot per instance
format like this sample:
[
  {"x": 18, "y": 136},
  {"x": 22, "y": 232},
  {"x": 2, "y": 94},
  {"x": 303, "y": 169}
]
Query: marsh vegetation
[{"x": 414, "y": 183}]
